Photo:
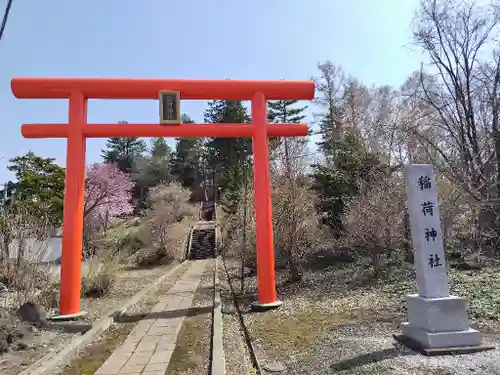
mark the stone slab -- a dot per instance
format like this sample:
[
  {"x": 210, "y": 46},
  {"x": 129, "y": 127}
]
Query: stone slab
[
  {"x": 259, "y": 307},
  {"x": 416, "y": 346},
  {"x": 273, "y": 366},
  {"x": 436, "y": 340},
  {"x": 445, "y": 314},
  {"x": 66, "y": 317}
]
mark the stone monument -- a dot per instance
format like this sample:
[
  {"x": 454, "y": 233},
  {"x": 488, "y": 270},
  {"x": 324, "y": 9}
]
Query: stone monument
[{"x": 437, "y": 322}]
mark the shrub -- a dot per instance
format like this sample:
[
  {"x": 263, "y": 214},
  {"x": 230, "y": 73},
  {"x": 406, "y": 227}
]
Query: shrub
[
  {"x": 295, "y": 225},
  {"x": 24, "y": 239},
  {"x": 166, "y": 225},
  {"x": 374, "y": 221},
  {"x": 99, "y": 277}
]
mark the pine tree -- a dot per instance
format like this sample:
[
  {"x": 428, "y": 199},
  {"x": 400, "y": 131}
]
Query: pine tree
[
  {"x": 330, "y": 133},
  {"x": 123, "y": 151},
  {"x": 155, "y": 168},
  {"x": 283, "y": 111},
  {"x": 329, "y": 86},
  {"x": 348, "y": 167},
  {"x": 187, "y": 160},
  {"x": 160, "y": 148},
  {"x": 227, "y": 155},
  {"x": 39, "y": 186}
]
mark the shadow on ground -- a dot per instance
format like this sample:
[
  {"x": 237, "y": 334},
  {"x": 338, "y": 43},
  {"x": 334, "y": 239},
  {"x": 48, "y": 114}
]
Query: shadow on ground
[
  {"x": 326, "y": 275},
  {"x": 155, "y": 264},
  {"x": 132, "y": 318},
  {"x": 369, "y": 358}
]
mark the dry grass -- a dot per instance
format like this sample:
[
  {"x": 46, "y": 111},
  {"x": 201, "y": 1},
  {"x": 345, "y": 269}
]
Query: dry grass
[
  {"x": 24, "y": 240},
  {"x": 27, "y": 282},
  {"x": 95, "y": 355},
  {"x": 173, "y": 249},
  {"x": 100, "y": 275},
  {"x": 123, "y": 239},
  {"x": 294, "y": 332}
]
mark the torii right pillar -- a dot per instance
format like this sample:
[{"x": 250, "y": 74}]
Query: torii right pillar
[{"x": 263, "y": 207}]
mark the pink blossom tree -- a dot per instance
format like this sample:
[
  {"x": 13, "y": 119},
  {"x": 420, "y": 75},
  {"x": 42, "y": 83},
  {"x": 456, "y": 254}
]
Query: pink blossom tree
[{"x": 108, "y": 192}]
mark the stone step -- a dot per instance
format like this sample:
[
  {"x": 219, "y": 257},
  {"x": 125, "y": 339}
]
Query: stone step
[{"x": 203, "y": 241}]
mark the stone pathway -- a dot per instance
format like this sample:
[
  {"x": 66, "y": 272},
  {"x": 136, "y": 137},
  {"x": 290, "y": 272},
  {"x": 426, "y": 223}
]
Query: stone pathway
[{"x": 149, "y": 347}]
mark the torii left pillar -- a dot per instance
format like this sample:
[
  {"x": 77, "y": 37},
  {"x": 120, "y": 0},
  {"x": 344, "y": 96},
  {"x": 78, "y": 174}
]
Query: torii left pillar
[{"x": 73, "y": 206}]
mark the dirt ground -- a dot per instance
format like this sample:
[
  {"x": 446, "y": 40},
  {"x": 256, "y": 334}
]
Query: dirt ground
[
  {"x": 337, "y": 320},
  {"x": 236, "y": 351},
  {"x": 36, "y": 343}
]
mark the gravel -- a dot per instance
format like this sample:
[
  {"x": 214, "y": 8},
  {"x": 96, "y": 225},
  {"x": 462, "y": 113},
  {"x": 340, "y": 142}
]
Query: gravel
[
  {"x": 40, "y": 344},
  {"x": 324, "y": 328},
  {"x": 370, "y": 349},
  {"x": 236, "y": 351}
]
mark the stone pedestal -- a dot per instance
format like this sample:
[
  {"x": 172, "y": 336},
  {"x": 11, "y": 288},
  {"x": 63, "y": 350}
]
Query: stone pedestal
[{"x": 437, "y": 323}]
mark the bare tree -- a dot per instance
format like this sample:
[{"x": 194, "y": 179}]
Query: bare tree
[
  {"x": 375, "y": 115},
  {"x": 459, "y": 96},
  {"x": 457, "y": 36},
  {"x": 330, "y": 87}
]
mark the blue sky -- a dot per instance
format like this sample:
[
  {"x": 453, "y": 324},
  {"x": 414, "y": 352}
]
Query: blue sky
[{"x": 258, "y": 39}]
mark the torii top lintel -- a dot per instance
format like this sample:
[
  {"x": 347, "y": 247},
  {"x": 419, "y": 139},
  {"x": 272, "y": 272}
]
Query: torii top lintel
[{"x": 148, "y": 88}]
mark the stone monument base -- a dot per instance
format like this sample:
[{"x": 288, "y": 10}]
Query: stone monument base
[
  {"x": 440, "y": 326},
  {"x": 418, "y": 347}
]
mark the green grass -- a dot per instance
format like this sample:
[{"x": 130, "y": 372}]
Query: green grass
[
  {"x": 299, "y": 330},
  {"x": 480, "y": 288}
]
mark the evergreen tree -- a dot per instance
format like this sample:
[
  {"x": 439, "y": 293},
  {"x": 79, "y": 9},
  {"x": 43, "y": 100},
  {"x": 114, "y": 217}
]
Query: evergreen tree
[
  {"x": 155, "y": 168},
  {"x": 7, "y": 195},
  {"x": 160, "y": 148},
  {"x": 348, "y": 168},
  {"x": 232, "y": 196},
  {"x": 330, "y": 134},
  {"x": 283, "y": 111},
  {"x": 330, "y": 97},
  {"x": 160, "y": 162},
  {"x": 123, "y": 151},
  {"x": 227, "y": 155},
  {"x": 39, "y": 186},
  {"x": 187, "y": 160}
]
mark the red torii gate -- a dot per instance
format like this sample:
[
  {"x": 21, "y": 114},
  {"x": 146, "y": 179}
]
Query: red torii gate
[{"x": 79, "y": 90}]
